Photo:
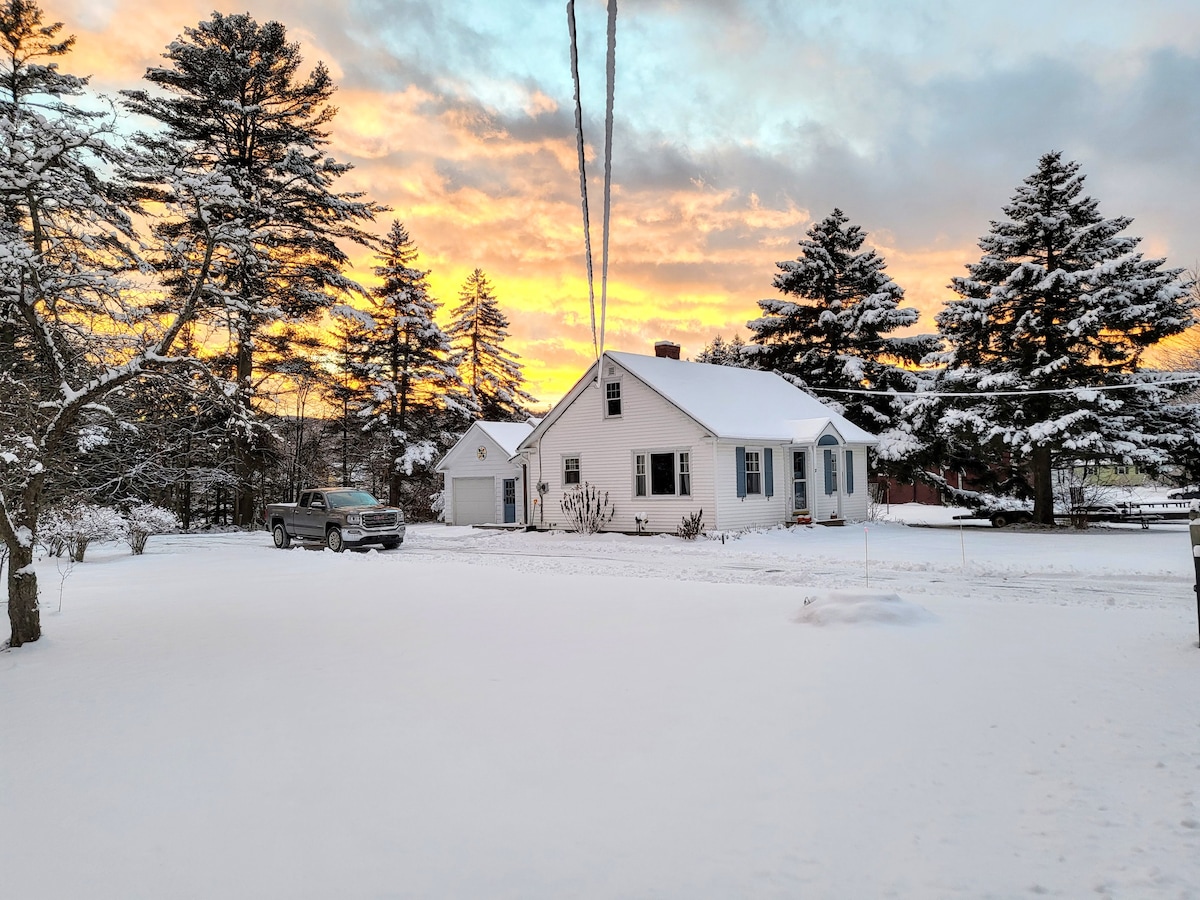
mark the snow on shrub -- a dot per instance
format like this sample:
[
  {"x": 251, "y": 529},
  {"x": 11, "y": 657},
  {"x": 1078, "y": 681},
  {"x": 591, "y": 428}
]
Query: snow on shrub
[
  {"x": 145, "y": 519},
  {"x": 850, "y": 607},
  {"x": 73, "y": 526}
]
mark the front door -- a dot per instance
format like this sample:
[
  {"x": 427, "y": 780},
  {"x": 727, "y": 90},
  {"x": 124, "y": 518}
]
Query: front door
[
  {"x": 510, "y": 500},
  {"x": 799, "y": 480}
]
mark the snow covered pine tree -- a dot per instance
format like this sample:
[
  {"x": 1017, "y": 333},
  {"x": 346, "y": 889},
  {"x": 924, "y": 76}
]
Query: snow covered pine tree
[
  {"x": 832, "y": 329},
  {"x": 1059, "y": 300},
  {"x": 235, "y": 105},
  {"x": 413, "y": 385},
  {"x": 492, "y": 374}
]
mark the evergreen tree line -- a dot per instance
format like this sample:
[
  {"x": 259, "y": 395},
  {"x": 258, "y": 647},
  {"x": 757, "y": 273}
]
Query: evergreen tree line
[
  {"x": 161, "y": 292},
  {"x": 1038, "y": 367}
]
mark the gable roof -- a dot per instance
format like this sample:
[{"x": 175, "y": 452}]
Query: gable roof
[
  {"x": 505, "y": 435},
  {"x": 733, "y": 403},
  {"x": 740, "y": 403},
  {"x": 508, "y": 435}
]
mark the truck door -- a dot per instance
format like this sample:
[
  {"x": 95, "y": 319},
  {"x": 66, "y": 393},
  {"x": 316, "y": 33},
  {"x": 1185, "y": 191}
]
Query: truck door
[{"x": 310, "y": 515}]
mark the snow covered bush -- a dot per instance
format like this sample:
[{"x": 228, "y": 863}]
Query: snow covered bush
[
  {"x": 437, "y": 503},
  {"x": 691, "y": 527},
  {"x": 586, "y": 510},
  {"x": 73, "y": 526},
  {"x": 145, "y": 519}
]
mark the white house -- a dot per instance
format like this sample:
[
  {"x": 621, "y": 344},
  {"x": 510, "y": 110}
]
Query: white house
[
  {"x": 483, "y": 483},
  {"x": 666, "y": 438}
]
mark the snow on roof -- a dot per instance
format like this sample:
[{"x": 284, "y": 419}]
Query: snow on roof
[
  {"x": 508, "y": 434},
  {"x": 740, "y": 403}
]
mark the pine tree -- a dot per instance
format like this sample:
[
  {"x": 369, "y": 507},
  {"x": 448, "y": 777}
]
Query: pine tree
[
  {"x": 1060, "y": 299},
  {"x": 232, "y": 104},
  {"x": 833, "y": 327},
  {"x": 721, "y": 352},
  {"x": 413, "y": 383},
  {"x": 73, "y": 331},
  {"x": 491, "y": 373}
]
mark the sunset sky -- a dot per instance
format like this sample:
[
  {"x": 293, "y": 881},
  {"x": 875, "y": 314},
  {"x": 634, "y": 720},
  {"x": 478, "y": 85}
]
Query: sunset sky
[{"x": 737, "y": 123}]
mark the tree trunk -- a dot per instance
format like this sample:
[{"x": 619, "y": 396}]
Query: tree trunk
[
  {"x": 243, "y": 500},
  {"x": 1043, "y": 486},
  {"x": 23, "y": 615}
]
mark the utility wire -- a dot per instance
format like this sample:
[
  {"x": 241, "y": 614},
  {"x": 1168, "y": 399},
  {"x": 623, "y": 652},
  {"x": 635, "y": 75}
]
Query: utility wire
[
  {"x": 611, "y": 75},
  {"x": 587, "y": 231},
  {"x": 1071, "y": 390}
]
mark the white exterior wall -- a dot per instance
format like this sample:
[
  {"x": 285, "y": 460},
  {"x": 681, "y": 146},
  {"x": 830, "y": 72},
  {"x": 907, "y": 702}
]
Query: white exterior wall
[
  {"x": 606, "y": 448},
  {"x": 462, "y": 461},
  {"x": 841, "y": 505},
  {"x": 753, "y": 510}
]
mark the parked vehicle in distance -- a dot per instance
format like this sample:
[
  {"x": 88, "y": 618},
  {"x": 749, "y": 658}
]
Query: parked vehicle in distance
[
  {"x": 1188, "y": 493},
  {"x": 336, "y": 517}
]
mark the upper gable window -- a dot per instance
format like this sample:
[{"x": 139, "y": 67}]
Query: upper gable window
[{"x": 612, "y": 399}]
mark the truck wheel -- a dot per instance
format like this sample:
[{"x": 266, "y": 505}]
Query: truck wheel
[
  {"x": 280, "y": 536},
  {"x": 999, "y": 520},
  {"x": 333, "y": 540},
  {"x": 391, "y": 543}
]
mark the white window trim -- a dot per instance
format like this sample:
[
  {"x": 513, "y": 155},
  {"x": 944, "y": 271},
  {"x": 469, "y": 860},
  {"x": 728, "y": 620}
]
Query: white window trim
[
  {"x": 604, "y": 397},
  {"x": 650, "y": 495},
  {"x": 563, "y": 470},
  {"x": 761, "y": 492}
]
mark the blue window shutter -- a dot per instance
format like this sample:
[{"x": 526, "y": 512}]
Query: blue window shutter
[
  {"x": 739, "y": 454},
  {"x": 828, "y": 471},
  {"x": 849, "y": 471},
  {"x": 769, "y": 471}
]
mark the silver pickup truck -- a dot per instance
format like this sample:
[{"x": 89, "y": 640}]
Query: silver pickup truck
[{"x": 338, "y": 518}]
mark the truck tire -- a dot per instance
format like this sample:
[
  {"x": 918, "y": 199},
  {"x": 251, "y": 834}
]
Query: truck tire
[
  {"x": 1000, "y": 520},
  {"x": 333, "y": 540},
  {"x": 391, "y": 543},
  {"x": 279, "y": 534}
]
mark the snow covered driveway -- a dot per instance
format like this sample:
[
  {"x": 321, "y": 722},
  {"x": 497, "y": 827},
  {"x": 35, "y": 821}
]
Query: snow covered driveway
[{"x": 500, "y": 715}]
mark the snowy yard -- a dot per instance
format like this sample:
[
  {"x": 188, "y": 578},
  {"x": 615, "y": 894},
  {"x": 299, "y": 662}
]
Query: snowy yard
[{"x": 491, "y": 715}]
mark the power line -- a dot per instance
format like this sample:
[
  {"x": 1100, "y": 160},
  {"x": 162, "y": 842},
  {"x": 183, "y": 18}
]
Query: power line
[{"x": 1071, "y": 390}]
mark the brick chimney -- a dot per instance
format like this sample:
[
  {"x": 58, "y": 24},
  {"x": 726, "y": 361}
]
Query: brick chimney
[{"x": 666, "y": 350}]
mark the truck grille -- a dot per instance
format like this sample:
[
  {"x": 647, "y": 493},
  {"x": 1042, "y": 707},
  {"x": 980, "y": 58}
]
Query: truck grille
[{"x": 379, "y": 520}]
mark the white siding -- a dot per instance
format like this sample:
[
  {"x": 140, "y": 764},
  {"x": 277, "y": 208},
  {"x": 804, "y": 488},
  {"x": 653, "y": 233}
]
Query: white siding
[
  {"x": 753, "y": 510},
  {"x": 606, "y": 448},
  {"x": 462, "y": 461}
]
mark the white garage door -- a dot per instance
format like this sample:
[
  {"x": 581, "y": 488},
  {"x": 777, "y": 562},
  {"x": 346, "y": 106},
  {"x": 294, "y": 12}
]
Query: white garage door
[{"x": 474, "y": 501}]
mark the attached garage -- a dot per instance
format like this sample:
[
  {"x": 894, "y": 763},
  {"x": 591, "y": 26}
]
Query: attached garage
[{"x": 474, "y": 500}]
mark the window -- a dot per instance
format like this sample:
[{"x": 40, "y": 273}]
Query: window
[
  {"x": 753, "y": 472},
  {"x": 666, "y": 473},
  {"x": 799, "y": 480},
  {"x": 612, "y": 398},
  {"x": 571, "y": 470},
  {"x": 1120, "y": 470}
]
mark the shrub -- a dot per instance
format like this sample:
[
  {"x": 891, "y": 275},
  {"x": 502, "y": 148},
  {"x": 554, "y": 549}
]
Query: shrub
[
  {"x": 145, "y": 519},
  {"x": 691, "y": 527},
  {"x": 586, "y": 510},
  {"x": 74, "y": 526}
]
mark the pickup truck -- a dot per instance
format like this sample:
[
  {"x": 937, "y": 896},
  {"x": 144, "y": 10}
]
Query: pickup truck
[{"x": 338, "y": 518}]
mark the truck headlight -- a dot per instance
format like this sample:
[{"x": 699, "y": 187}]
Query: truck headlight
[{"x": 353, "y": 519}]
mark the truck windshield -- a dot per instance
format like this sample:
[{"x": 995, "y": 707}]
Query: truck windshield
[{"x": 340, "y": 499}]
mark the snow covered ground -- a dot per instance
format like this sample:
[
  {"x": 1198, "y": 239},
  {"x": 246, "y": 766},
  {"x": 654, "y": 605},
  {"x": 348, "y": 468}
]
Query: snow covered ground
[{"x": 859, "y": 712}]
